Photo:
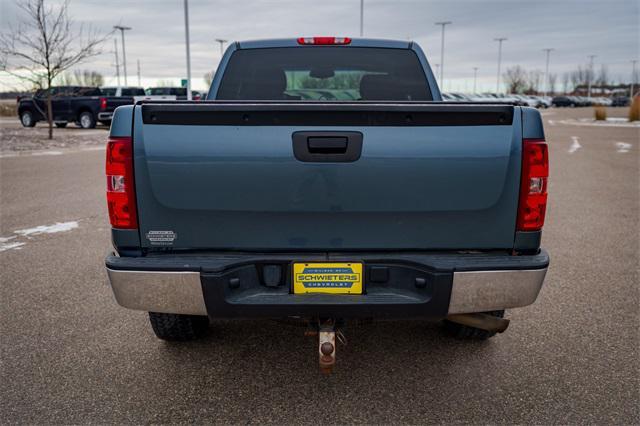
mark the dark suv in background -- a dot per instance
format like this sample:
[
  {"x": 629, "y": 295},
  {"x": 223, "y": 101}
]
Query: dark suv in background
[{"x": 564, "y": 101}]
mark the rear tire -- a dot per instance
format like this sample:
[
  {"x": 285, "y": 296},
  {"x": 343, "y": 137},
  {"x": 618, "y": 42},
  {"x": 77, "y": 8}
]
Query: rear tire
[
  {"x": 465, "y": 332},
  {"x": 87, "y": 120},
  {"x": 26, "y": 118},
  {"x": 177, "y": 327}
]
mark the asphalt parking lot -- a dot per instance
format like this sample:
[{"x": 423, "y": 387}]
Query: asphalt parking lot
[{"x": 69, "y": 354}]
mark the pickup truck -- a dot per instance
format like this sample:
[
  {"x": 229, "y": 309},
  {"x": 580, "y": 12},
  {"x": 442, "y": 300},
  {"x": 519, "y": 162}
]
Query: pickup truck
[
  {"x": 84, "y": 106},
  {"x": 376, "y": 201},
  {"x": 179, "y": 93}
]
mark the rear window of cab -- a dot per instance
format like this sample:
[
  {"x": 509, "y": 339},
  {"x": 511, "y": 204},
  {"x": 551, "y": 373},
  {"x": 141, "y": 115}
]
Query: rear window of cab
[{"x": 324, "y": 73}]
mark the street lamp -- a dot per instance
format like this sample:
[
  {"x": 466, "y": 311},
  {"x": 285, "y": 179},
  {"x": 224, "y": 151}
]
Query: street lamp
[
  {"x": 115, "y": 44},
  {"x": 222, "y": 42},
  {"x": 590, "y": 75},
  {"x": 499, "y": 40},
  {"x": 124, "y": 55},
  {"x": 186, "y": 32},
  {"x": 361, "y": 18},
  {"x": 443, "y": 24},
  {"x": 546, "y": 73},
  {"x": 633, "y": 78}
]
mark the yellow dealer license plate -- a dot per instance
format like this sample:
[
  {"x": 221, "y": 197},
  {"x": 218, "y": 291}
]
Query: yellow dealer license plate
[{"x": 333, "y": 278}]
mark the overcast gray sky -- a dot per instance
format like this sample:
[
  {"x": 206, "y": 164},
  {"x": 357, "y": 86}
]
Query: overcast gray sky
[{"x": 575, "y": 29}]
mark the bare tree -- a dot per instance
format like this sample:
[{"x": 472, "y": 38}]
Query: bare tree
[
  {"x": 603, "y": 76},
  {"x": 515, "y": 79},
  {"x": 208, "y": 78},
  {"x": 165, "y": 83},
  {"x": 533, "y": 81},
  {"x": 566, "y": 78},
  {"x": 81, "y": 78},
  {"x": 43, "y": 45},
  {"x": 552, "y": 80}
]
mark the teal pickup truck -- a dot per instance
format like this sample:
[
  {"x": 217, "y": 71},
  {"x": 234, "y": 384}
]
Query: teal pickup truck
[{"x": 324, "y": 179}]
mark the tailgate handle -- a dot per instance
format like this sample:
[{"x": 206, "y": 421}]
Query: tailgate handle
[{"x": 327, "y": 147}]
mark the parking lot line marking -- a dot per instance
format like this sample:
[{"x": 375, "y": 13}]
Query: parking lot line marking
[
  {"x": 623, "y": 147},
  {"x": 575, "y": 145},
  {"x": 551, "y": 122}
]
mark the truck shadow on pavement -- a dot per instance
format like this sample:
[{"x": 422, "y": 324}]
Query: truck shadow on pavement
[{"x": 249, "y": 359}]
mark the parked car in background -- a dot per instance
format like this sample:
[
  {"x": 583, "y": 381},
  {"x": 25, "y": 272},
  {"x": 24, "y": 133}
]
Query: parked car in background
[
  {"x": 180, "y": 93},
  {"x": 525, "y": 100},
  {"x": 541, "y": 101},
  {"x": 620, "y": 101},
  {"x": 122, "y": 91},
  {"x": 602, "y": 101},
  {"x": 481, "y": 98},
  {"x": 564, "y": 101},
  {"x": 584, "y": 101},
  {"x": 84, "y": 106},
  {"x": 454, "y": 97},
  {"x": 502, "y": 98}
]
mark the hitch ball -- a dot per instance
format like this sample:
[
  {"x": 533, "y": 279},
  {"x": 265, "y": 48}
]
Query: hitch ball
[{"x": 327, "y": 348}]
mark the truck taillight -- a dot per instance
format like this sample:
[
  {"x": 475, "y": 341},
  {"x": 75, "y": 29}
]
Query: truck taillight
[
  {"x": 533, "y": 185},
  {"x": 103, "y": 103},
  {"x": 324, "y": 40},
  {"x": 121, "y": 197}
]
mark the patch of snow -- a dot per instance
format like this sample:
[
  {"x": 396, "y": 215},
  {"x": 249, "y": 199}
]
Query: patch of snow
[
  {"x": 10, "y": 246},
  {"x": 623, "y": 147},
  {"x": 47, "y": 153},
  {"x": 591, "y": 122},
  {"x": 575, "y": 145},
  {"x": 618, "y": 120},
  {"x": 48, "y": 229}
]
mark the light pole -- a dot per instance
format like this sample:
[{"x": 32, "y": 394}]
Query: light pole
[
  {"x": 499, "y": 40},
  {"x": 139, "y": 73},
  {"x": 186, "y": 32},
  {"x": 633, "y": 78},
  {"x": 124, "y": 55},
  {"x": 361, "y": 18},
  {"x": 590, "y": 75},
  {"x": 546, "y": 73},
  {"x": 443, "y": 24},
  {"x": 222, "y": 42},
  {"x": 475, "y": 78},
  {"x": 115, "y": 44}
]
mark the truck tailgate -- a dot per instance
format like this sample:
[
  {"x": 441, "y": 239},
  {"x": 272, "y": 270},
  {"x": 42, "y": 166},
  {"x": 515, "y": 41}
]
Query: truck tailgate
[{"x": 223, "y": 175}]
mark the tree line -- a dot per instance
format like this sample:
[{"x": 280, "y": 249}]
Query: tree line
[{"x": 519, "y": 80}]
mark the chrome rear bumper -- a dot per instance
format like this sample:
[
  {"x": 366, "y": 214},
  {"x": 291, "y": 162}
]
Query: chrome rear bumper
[
  {"x": 182, "y": 293},
  {"x": 482, "y": 291},
  {"x": 169, "y": 292}
]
